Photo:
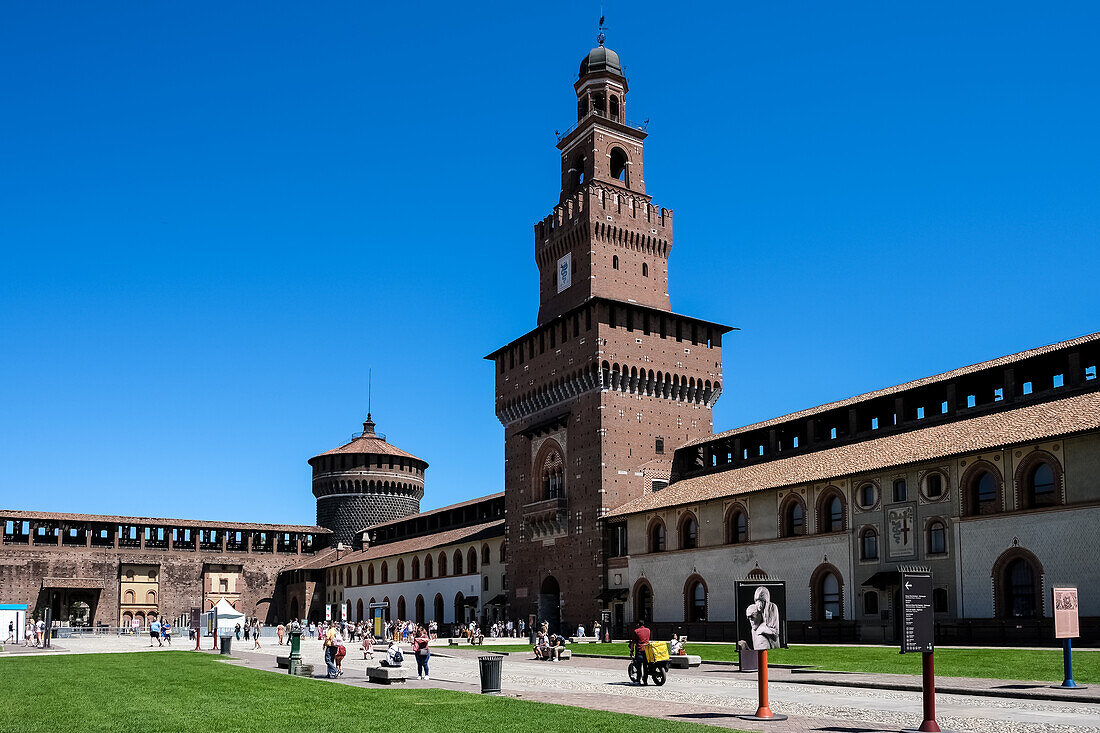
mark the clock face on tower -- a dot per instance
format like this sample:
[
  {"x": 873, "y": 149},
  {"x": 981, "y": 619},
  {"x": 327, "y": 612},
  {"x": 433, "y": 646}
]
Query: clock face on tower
[{"x": 565, "y": 267}]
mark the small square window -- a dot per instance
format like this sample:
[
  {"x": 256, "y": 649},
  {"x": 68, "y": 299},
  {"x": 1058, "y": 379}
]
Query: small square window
[
  {"x": 971, "y": 400},
  {"x": 832, "y": 434},
  {"x": 1090, "y": 372},
  {"x": 920, "y": 413},
  {"x": 874, "y": 423},
  {"x": 1027, "y": 388},
  {"x": 998, "y": 394},
  {"x": 1059, "y": 380},
  {"x": 943, "y": 407}
]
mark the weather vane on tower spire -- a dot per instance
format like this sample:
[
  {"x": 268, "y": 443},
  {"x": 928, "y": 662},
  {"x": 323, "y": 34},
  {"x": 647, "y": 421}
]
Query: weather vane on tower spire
[{"x": 600, "y": 37}]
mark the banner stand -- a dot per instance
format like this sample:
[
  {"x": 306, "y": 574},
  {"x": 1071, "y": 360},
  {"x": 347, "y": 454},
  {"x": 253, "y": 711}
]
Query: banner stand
[
  {"x": 763, "y": 711},
  {"x": 1067, "y": 665}
]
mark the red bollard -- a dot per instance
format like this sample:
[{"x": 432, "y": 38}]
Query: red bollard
[
  {"x": 763, "y": 710},
  {"x": 928, "y": 677}
]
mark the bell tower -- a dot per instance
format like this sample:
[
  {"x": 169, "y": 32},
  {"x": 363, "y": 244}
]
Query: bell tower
[
  {"x": 605, "y": 238},
  {"x": 596, "y": 398}
]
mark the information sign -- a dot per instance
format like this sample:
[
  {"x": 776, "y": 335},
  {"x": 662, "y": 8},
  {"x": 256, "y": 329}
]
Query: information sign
[
  {"x": 383, "y": 604},
  {"x": 1066, "y": 625},
  {"x": 917, "y": 620}
]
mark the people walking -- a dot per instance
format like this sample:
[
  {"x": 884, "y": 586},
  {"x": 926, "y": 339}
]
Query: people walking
[
  {"x": 166, "y": 632},
  {"x": 11, "y": 632},
  {"x": 255, "y": 635},
  {"x": 330, "y": 651},
  {"x": 237, "y": 632}
]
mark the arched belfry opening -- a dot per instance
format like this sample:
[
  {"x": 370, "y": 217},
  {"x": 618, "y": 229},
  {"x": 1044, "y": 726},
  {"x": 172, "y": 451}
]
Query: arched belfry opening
[{"x": 620, "y": 166}]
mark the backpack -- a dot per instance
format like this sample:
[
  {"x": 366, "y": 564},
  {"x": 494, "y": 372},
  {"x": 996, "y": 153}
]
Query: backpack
[{"x": 398, "y": 657}]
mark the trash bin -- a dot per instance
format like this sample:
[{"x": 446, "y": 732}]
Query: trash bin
[
  {"x": 746, "y": 657},
  {"x": 490, "y": 674},
  {"x": 227, "y": 643}
]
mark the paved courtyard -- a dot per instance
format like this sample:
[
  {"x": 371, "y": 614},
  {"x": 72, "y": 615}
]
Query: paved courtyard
[{"x": 710, "y": 694}]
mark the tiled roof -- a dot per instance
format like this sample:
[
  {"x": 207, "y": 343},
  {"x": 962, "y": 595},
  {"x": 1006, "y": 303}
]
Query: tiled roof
[
  {"x": 924, "y": 382},
  {"x": 425, "y": 542},
  {"x": 430, "y": 512},
  {"x": 369, "y": 442},
  {"x": 159, "y": 521},
  {"x": 1034, "y": 422},
  {"x": 313, "y": 562}
]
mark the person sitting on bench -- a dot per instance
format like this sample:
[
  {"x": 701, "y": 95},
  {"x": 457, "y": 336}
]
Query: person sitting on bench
[{"x": 394, "y": 657}]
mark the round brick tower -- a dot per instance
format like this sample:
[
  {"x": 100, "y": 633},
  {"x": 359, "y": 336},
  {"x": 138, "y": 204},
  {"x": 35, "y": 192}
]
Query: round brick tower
[{"x": 365, "y": 482}]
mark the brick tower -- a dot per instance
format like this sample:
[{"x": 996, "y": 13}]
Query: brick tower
[
  {"x": 363, "y": 482},
  {"x": 596, "y": 397}
]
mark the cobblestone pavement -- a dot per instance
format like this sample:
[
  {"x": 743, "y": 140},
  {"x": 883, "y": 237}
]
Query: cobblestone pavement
[{"x": 709, "y": 694}]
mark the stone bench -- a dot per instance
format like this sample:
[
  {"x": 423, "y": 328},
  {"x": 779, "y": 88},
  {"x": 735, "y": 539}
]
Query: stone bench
[
  {"x": 387, "y": 675},
  {"x": 583, "y": 639},
  {"x": 683, "y": 661},
  {"x": 283, "y": 662}
]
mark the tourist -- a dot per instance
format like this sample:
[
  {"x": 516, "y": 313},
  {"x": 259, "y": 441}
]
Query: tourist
[
  {"x": 509, "y": 629},
  {"x": 166, "y": 632},
  {"x": 28, "y": 634},
  {"x": 580, "y": 631},
  {"x": 154, "y": 633},
  {"x": 368, "y": 646},
  {"x": 280, "y": 631},
  {"x": 237, "y": 632},
  {"x": 341, "y": 652},
  {"x": 542, "y": 646},
  {"x": 394, "y": 657},
  {"x": 11, "y": 632},
  {"x": 557, "y": 646},
  {"x": 329, "y": 643},
  {"x": 421, "y": 652},
  {"x": 676, "y": 646},
  {"x": 312, "y": 630},
  {"x": 40, "y": 633},
  {"x": 255, "y": 634},
  {"x": 433, "y": 629}
]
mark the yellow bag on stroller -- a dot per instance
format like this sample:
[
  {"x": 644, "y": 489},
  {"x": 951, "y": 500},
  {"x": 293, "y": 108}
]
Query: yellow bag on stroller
[{"x": 656, "y": 651}]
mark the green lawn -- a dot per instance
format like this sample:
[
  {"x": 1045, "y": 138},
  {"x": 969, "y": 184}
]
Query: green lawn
[
  {"x": 1000, "y": 664},
  {"x": 193, "y": 691}
]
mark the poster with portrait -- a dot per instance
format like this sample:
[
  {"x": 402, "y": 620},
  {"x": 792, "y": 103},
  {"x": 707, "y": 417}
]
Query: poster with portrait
[
  {"x": 1066, "y": 624},
  {"x": 761, "y": 613}
]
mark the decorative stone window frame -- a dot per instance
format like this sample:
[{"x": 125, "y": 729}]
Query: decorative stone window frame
[
  {"x": 727, "y": 527},
  {"x": 969, "y": 476},
  {"x": 1000, "y": 592},
  {"x": 817, "y": 602},
  {"x": 922, "y": 485},
  {"x": 636, "y": 596},
  {"x": 926, "y": 537},
  {"x": 1025, "y": 466},
  {"x": 821, "y": 520},
  {"x": 649, "y": 545},
  {"x": 785, "y": 502},
  {"x": 688, "y": 586},
  {"x": 681, "y": 526},
  {"x": 878, "y": 545},
  {"x": 858, "y": 488}
]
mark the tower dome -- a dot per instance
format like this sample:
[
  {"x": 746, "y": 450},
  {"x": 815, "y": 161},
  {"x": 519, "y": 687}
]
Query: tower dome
[
  {"x": 365, "y": 481},
  {"x": 600, "y": 59}
]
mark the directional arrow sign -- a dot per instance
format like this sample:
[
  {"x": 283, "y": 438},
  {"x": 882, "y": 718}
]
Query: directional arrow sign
[{"x": 918, "y": 628}]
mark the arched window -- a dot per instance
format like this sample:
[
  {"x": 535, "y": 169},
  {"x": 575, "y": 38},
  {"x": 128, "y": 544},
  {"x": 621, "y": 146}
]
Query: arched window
[
  {"x": 657, "y": 536},
  {"x": 1040, "y": 486},
  {"x": 400, "y": 569},
  {"x": 358, "y": 610},
  {"x": 868, "y": 544},
  {"x": 695, "y": 600},
  {"x": 737, "y": 525},
  {"x": 457, "y": 562},
  {"x": 1021, "y": 601},
  {"x": 830, "y": 596},
  {"x": 900, "y": 491},
  {"x": 370, "y": 574},
  {"x": 129, "y": 596},
  {"x": 485, "y": 555},
  {"x": 416, "y": 568},
  {"x": 503, "y": 553},
  {"x": 385, "y": 572},
  {"x": 867, "y": 495},
  {"x": 471, "y": 561},
  {"x": 359, "y": 575},
  {"x": 151, "y": 597},
  {"x": 551, "y": 471},
  {"x": 981, "y": 490},
  {"x": 442, "y": 565},
  {"x": 614, "y": 262},
  {"x": 933, "y": 485},
  {"x": 428, "y": 566},
  {"x": 645, "y": 270},
  {"x": 401, "y": 608},
  {"x": 614, "y": 108},
  {"x": 831, "y": 512},
  {"x": 937, "y": 538},
  {"x": 870, "y": 603},
  {"x": 620, "y": 165},
  {"x": 793, "y": 518},
  {"x": 643, "y": 601},
  {"x": 826, "y": 593},
  {"x": 689, "y": 532}
]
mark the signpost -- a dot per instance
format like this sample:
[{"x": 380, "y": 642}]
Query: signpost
[
  {"x": 761, "y": 624},
  {"x": 918, "y": 636},
  {"x": 1066, "y": 627},
  {"x": 376, "y": 611}
]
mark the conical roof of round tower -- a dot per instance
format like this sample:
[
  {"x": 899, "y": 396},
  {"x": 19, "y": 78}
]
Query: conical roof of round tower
[{"x": 369, "y": 442}]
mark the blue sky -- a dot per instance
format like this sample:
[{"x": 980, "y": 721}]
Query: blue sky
[{"x": 214, "y": 218}]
